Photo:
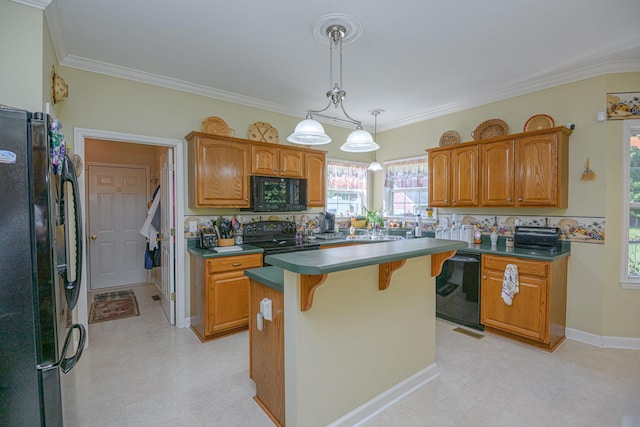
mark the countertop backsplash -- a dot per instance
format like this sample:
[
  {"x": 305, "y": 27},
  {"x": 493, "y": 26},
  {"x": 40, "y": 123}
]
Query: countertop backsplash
[{"x": 575, "y": 229}]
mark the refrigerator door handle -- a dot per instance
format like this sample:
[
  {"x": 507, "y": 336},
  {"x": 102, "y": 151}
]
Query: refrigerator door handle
[
  {"x": 71, "y": 287},
  {"x": 67, "y": 363}
]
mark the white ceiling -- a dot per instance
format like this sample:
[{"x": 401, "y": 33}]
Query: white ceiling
[{"x": 416, "y": 59}]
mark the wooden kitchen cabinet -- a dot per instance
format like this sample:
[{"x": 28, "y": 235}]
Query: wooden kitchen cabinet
[
  {"x": 537, "y": 315},
  {"x": 218, "y": 171},
  {"x": 497, "y": 173},
  {"x": 453, "y": 177},
  {"x": 220, "y": 168},
  {"x": 542, "y": 170},
  {"x": 266, "y": 353},
  {"x": 272, "y": 161},
  {"x": 220, "y": 294},
  {"x": 316, "y": 175},
  {"x": 520, "y": 170}
]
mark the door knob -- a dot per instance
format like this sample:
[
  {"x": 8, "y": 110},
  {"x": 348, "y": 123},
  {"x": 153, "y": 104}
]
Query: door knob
[{"x": 94, "y": 237}]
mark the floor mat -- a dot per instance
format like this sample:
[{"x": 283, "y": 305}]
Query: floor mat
[{"x": 113, "y": 305}]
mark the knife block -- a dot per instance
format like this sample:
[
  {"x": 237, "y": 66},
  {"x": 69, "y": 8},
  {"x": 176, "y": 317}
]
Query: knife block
[{"x": 225, "y": 242}]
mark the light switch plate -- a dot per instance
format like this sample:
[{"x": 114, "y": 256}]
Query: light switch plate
[{"x": 193, "y": 226}]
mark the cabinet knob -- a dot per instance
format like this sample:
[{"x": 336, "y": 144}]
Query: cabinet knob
[
  {"x": 519, "y": 199},
  {"x": 484, "y": 277},
  {"x": 508, "y": 199},
  {"x": 236, "y": 264}
]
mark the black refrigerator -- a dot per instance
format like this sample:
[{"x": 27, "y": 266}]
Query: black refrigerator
[{"x": 40, "y": 269}]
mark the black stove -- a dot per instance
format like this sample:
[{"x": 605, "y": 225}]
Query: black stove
[{"x": 275, "y": 237}]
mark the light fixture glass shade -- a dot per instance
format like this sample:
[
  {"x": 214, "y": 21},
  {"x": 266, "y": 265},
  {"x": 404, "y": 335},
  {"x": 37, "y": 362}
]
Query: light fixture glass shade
[
  {"x": 375, "y": 166},
  {"x": 309, "y": 132},
  {"x": 359, "y": 141}
]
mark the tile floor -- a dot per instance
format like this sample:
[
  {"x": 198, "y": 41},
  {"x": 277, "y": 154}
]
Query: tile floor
[{"x": 140, "y": 371}]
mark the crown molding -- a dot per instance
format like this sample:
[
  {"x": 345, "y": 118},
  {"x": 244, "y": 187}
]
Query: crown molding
[
  {"x": 171, "y": 83},
  {"x": 522, "y": 88},
  {"x": 38, "y": 4}
]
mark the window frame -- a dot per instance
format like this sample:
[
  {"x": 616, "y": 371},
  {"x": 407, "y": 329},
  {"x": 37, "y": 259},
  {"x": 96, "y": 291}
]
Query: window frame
[
  {"x": 629, "y": 128},
  {"x": 385, "y": 197},
  {"x": 365, "y": 194}
]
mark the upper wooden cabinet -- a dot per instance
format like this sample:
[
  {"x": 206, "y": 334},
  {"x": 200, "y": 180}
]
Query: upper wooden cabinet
[
  {"x": 315, "y": 173},
  {"x": 518, "y": 170},
  {"x": 274, "y": 161},
  {"x": 453, "y": 177},
  {"x": 218, "y": 171},
  {"x": 220, "y": 168},
  {"x": 498, "y": 173}
]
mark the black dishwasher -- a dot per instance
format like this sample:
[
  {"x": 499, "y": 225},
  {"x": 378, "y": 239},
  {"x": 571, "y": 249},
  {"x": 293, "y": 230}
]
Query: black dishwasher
[{"x": 458, "y": 290}]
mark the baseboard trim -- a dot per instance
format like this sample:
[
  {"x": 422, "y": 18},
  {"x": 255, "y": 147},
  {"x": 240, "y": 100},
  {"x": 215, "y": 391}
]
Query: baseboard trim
[
  {"x": 388, "y": 398},
  {"x": 603, "y": 341}
]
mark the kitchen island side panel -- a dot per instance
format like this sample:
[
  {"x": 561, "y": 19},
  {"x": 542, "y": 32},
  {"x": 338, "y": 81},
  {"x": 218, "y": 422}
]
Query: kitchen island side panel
[{"x": 356, "y": 341}]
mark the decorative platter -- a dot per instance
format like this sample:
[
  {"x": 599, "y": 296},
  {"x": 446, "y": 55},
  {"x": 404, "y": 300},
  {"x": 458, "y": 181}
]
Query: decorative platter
[
  {"x": 490, "y": 129},
  {"x": 539, "y": 122},
  {"x": 263, "y": 132},
  {"x": 449, "y": 137},
  {"x": 215, "y": 125}
]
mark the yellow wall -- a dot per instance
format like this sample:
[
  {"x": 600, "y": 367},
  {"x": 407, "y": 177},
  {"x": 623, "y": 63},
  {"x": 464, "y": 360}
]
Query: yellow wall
[
  {"x": 21, "y": 50},
  {"x": 352, "y": 331}
]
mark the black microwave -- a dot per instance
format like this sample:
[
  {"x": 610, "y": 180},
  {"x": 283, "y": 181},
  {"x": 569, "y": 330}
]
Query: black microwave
[{"x": 276, "y": 194}]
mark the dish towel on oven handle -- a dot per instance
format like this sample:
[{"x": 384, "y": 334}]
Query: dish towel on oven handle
[{"x": 510, "y": 284}]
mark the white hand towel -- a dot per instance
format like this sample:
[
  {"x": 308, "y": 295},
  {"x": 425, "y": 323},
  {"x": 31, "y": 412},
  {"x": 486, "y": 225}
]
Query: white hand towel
[{"x": 510, "y": 284}]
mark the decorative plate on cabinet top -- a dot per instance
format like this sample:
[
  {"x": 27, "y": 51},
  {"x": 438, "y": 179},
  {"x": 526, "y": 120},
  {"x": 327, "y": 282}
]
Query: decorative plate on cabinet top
[
  {"x": 215, "y": 125},
  {"x": 263, "y": 132},
  {"x": 490, "y": 129},
  {"x": 449, "y": 137},
  {"x": 538, "y": 122}
]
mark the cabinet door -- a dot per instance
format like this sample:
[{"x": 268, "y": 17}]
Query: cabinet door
[
  {"x": 315, "y": 172},
  {"x": 227, "y": 301},
  {"x": 264, "y": 160},
  {"x": 291, "y": 163},
  {"x": 439, "y": 178},
  {"x": 526, "y": 316},
  {"x": 537, "y": 170},
  {"x": 464, "y": 168},
  {"x": 498, "y": 173},
  {"x": 221, "y": 174}
]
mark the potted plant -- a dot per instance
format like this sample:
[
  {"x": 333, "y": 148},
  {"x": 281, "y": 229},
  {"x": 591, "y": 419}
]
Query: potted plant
[{"x": 374, "y": 218}]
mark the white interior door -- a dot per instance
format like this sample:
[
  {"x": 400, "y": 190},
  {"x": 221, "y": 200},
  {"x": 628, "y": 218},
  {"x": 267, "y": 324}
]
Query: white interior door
[
  {"x": 117, "y": 209},
  {"x": 167, "y": 236}
]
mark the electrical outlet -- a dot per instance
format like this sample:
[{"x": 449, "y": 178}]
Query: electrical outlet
[
  {"x": 266, "y": 308},
  {"x": 193, "y": 226}
]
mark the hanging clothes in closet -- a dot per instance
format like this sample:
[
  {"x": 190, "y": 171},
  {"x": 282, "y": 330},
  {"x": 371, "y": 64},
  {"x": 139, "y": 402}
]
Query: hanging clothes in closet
[{"x": 150, "y": 230}]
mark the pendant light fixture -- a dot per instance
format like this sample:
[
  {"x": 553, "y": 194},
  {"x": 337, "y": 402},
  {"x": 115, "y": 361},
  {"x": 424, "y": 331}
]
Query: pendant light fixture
[
  {"x": 310, "y": 131},
  {"x": 375, "y": 166}
]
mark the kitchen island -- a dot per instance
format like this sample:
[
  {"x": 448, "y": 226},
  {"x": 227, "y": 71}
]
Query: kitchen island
[{"x": 352, "y": 329}]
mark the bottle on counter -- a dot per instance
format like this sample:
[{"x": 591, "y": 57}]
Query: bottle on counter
[
  {"x": 477, "y": 237},
  {"x": 494, "y": 238}
]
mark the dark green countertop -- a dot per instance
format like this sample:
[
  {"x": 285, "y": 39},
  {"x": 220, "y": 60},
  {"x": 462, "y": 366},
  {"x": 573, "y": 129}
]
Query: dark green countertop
[
  {"x": 346, "y": 258},
  {"x": 270, "y": 276},
  {"x": 208, "y": 253}
]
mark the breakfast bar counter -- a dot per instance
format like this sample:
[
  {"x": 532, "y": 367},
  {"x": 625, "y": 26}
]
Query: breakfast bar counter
[{"x": 352, "y": 329}]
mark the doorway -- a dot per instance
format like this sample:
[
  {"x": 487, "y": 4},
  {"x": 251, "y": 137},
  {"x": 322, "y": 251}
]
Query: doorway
[
  {"x": 80, "y": 135},
  {"x": 117, "y": 208}
]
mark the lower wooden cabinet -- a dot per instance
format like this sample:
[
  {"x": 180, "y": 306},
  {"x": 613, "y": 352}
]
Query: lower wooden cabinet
[
  {"x": 267, "y": 352},
  {"x": 220, "y": 294},
  {"x": 537, "y": 314}
]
